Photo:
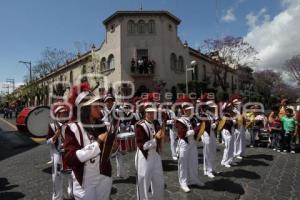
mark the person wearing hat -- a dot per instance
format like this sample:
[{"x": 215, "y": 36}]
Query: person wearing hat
[
  {"x": 187, "y": 147},
  {"x": 55, "y": 139},
  {"x": 128, "y": 120},
  {"x": 226, "y": 126},
  {"x": 148, "y": 162},
  {"x": 207, "y": 132},
  {"x": 110, "y": 111},
  {"x": 84, "y": 140},
  {"x": 239, "y": 129}
]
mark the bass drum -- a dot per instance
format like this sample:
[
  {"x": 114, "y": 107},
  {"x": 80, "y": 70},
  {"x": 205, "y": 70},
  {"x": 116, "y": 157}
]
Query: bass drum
[{"x": 35, "y": 121}]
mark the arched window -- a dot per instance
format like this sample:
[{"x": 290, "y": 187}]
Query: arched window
[
  {"x": 151, "y": 26},
  {"x": 71, "y": 77},
  {"x": 173, "y": 61},
  {"x": 180, "y": 64},
  {"x": 141, "y": 26},
  {"x": 130, "y": 27},
  {"x": 111, "y": 62},
  {"x": 103, "y": 64}
]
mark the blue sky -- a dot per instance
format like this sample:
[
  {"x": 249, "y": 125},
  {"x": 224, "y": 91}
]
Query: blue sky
[{"x": 28, "y": 26}]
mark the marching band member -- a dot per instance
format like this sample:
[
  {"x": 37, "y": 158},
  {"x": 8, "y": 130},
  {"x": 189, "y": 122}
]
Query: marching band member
[
  {"x": 147, "y": 159},
  {"x": 172, "y": 130},
  {"x": 187, "y": 148},
  {"x": 110, "y": 107},
  {"x": 208, "y": 135},
  {"x": 55, "y": 139},
  {"x": 84, "y": 140},
  {"x": 239, "y": 129},
  {"x": 226, "y": 128},
  {"x": 129, "y": 120}
]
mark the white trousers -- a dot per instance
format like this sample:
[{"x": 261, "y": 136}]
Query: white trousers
[
  {"x": 121, "y": 171},
  {"x": 98, "y": 188},
  {"x": 209, "y": 152},
  {"x": 173, "y": 142},
  {"x": 57, "y": 177},
  {"x": 239, "y": 142},
  {"x": 229, "y": 147},
  {"x": 188, "y": 162},
  {"x": 150, "y": 173}
]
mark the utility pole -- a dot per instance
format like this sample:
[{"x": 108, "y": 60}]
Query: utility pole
[
  {"x": 28, "y": 65},
  {"x": 6, "y": 86},
  {"x": 12, "y": 82}
]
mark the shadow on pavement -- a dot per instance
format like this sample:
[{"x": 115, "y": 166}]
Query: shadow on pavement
[
  {"x": 12, "y": 143},
  {"x": 246, "y": 162},
  {"x": 4, "y": 186},
  {"x": 169, "y": 165},
  {"x": 113, "y": 190},
  {"x": 240, "y": 173},
  {"x": 260, "y": 156},
  {"x": 130, "y": 180},
  {"x": 224, "y": 185},
  {"x": 48, "y": 170}
]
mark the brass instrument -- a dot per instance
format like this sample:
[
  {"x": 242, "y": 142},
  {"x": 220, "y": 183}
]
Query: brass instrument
[
  {"x": 221, "y": 123},
  {"x": 201, "y": 130}
]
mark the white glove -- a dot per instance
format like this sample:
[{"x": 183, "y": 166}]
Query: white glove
[
  {"x": 169, "y": 122},
  {"x": 151, "y": 144},
  {"x": 190, "y": 133},
  {"x": 107, "y": 124},
  {"x": 213, "y": 125}
]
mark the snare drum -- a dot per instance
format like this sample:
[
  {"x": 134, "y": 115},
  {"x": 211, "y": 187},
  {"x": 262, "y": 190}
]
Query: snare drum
[{"x": 126, "y": 142}]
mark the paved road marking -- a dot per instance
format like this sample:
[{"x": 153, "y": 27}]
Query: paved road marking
[{"x": 9, "y": 124}]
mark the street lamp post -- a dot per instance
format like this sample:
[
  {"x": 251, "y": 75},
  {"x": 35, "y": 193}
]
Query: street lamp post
[
  {"x": 193, "y": 64},
  {"x": 26, "y": 63}
]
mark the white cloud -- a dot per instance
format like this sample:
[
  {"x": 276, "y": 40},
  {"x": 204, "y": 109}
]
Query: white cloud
[
  {"x": 278, "y": 39},
  {"x": 229, "y": 16},
  {"x": 254, "y": 19}
]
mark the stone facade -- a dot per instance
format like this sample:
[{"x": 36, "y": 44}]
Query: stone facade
[{"x": 142, "y": 47}]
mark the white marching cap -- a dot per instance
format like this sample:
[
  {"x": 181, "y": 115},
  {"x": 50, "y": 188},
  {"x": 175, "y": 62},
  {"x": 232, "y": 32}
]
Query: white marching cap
[{"x": 80, "y": 97}]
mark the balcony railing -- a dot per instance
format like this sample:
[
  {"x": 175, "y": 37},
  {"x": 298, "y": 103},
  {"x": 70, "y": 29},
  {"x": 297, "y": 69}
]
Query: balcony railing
[{"x": 143, "y": 69}]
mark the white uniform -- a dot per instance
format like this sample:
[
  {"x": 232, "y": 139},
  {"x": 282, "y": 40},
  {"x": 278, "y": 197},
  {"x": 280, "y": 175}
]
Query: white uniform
[
  {"x": 149, "y": 170},
  {"x": 229, "y": 147},
  {"x": 172, "y": 132},
  {"x": 239, "y": 137},
  {"x": 239, "y": 141},
  {"x": 95, "y": 186},
  {"x": 57, "y": 176},
  {"x": 121, "y": 172},
  {"x": 209, "y": 149},
  {"x": 188, "y": 156}
]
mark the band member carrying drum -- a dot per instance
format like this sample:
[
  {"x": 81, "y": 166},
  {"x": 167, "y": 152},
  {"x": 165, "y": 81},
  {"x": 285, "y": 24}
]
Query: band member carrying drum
[
  {"x": 147, "y": 159},
  {"x": 110, "y": 111},
  {"x": 55, "y": 139},
  {"x": 84, "y": 142}
]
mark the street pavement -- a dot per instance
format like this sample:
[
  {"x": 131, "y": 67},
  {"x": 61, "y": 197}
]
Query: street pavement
[{"x": 263, "y": 174}]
